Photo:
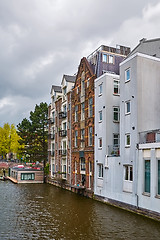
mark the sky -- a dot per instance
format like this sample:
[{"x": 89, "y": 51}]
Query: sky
[{"x": 40, "y": 40}]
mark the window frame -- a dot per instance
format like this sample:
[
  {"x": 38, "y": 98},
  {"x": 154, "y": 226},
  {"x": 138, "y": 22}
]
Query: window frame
[
  {"x": 146, "y": 191},
  {"x": 82, "y": 111},
  {"x": 109, "y": 59},
  {"x": 100, "y": 116},
  {"x": 90, "y": 137},
  {"x": 116, "y": 139},
  {"x": 126, "y": 107},
  {"x": 100, "y": 143},
  {"x": 128, "y": 173},
  {"x": 100, "y": 87},
  {"x": 126, "y": 75},
  {"x": 116, "y": 113},
  {"x": 76, "y": 113},
  {"x": 83, "y": 164},
  {"x": 105, "y": 57},
  {"x": 116, "y": 85},
  {"x": 100, "y": 170},
  {"x": 126, "y": 140},
  {"x": 90, "y": 107},
  {"x": 76, "y": 138}
]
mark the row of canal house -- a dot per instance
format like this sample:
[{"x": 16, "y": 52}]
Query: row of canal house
[{"x": 108, "y": 140}]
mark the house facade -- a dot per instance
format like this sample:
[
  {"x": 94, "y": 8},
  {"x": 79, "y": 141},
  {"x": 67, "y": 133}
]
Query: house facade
[
  {"x": 60, "y": 131},
  {"x": 140, "y": 114},
  {"x": 107, "y": 118},
  {"x": 83, "y": 128},
  {"x": 132, "y": 179}
]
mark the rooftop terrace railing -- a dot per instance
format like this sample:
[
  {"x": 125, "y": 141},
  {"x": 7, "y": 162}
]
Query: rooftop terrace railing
[{"x": 149, "y": 136}]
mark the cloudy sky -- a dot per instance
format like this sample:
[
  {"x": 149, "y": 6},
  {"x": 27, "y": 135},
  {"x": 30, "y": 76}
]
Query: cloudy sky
[{"x": 40, "y": 40}]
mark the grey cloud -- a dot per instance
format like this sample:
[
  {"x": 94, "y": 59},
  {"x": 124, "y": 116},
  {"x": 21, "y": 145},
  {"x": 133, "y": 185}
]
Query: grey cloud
[{"x": 42, "y": 40}]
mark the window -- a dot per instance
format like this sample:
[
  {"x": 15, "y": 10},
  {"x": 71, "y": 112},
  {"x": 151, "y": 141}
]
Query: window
[
  {"x": 100, "y": 170},
  {"x": 100, "y": 89},
  {"x": 82, "y": 137},
  {"x": 100, "y": 116},
  {"x": 69, "y": 107},
  {"x": 69, "y": 144},
  {"x": 127, "y": 107},
  {"x": 76, "y": 113},
  {"x": 87, "y": 82},
  {"x": 116, "y": 114},
  {"x": 53, "y": 168},
  {"x": 64, "y": 90},
  {"x": 110, "y": 59},
  {"x": 90, "y": 107},
  {"x": 104, "y": 57},
  {"x": 158, "y": 177},
  {"x": 127, "y": 75},
  {"x": 115, "y": 139},
  {"x": 100, "y": 142},
  {"x": 53, "y": 117},
  {"x": 83, "y": 164},
  {"x": 83, "y": 83},
  {"x": 65, "y": 108},
  {"x": 128, "y": 140},
  {"x": 90, "y": 137},
  {"x": 147, "y": 176},
  {"x": 27, "y": 176},
  {"x": 82, "y": 134},
  {"x": 64, "y": 170},
  {"x": 128, "y": 173},
  {"x": 82, "y": 111},
  {"x": 76, "y": 138},
  {"x": 116, "y": 87},
  {"x": 65, "y": 126}
]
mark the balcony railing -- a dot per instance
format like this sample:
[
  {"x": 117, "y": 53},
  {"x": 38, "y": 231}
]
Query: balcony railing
[
  {"x": 149, "y": 136},
  {"x": 63, "y": 133},
  {"x": 113, "y": 150},
  {"x": 62, "y": 115},
  {"x": 63, "y": 152}
]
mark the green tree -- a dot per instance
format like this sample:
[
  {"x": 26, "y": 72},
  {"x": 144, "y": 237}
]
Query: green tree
[
  {"x": 34, "y": 134},
  {"x": 9, "y": 139}
]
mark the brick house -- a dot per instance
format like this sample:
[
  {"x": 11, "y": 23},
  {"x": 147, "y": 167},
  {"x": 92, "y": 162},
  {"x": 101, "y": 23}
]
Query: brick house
[{"x": 83, "y": 127}]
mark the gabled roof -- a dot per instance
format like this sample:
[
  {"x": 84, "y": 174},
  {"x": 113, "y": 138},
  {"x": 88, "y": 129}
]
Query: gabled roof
[
  {"x": 69, "y": 78},
  {"x": 148, "y": 47},
  {"x": 56, "y": 88}
]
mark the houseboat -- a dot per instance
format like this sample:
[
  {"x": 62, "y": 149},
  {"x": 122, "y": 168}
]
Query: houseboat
[{"x": 23, "y": 174}]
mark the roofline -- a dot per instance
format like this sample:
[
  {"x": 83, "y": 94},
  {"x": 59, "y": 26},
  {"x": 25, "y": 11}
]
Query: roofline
[
  {"x": 137, "y": 54},
  {"x": 107, "y": 74}
]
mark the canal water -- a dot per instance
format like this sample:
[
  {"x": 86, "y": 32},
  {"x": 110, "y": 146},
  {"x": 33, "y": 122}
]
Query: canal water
[{"x": 42, "y": 211}]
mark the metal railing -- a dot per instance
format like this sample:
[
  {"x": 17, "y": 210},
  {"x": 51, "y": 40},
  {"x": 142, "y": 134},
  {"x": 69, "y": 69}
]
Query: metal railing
[
  {"x": 63, "y": 152},
  {"x": 62, "y": 133},
  {"x": 62, "y": 115},
  {"x": 149, "y": 136}
]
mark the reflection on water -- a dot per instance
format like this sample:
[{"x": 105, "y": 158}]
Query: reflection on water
[{"x": 42, "y": 211}]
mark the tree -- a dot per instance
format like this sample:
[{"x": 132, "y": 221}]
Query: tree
[
  {"x": 9, "y": 140},
  {"x": 34, "y": 134}
]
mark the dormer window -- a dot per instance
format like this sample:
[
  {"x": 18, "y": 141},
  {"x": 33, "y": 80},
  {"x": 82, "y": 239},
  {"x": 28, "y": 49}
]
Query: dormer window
[{"x": 64, "y": 90}]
